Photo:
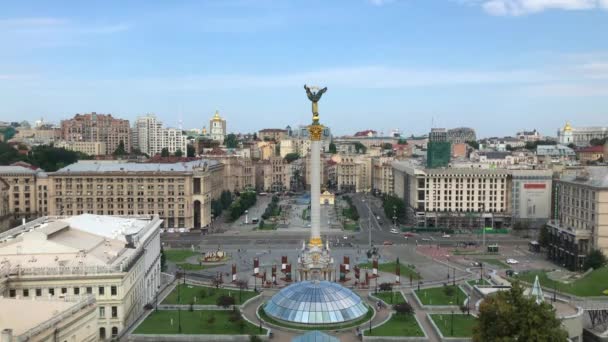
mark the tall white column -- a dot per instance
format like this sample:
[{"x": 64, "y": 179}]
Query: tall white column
[{"x": 315, "y": 191}]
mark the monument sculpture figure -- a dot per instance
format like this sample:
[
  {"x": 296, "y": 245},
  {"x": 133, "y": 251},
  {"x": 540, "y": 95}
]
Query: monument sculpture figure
[{"x": 314, "y": 95}]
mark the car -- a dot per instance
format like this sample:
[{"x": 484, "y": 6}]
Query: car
[
  {"x": 446, "y": 236},
  {"x": 475, "y": 264},
  {"x": 387, "y": 243},
  {"x": 426, "y": 239},
  {"x": 394, "y": 231},
  {"x": 409, "y": 234},
  {"x": 345, "y": 237},
  {"x": 512, "y": 261}
]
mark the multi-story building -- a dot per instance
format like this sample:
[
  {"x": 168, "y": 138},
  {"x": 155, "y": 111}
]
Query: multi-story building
[
  {"x": 49, "y": 319},
  {"x": 527, "y": 136},
  {"x": 150, "y": 137},
  {"x": 461, "y": 135},
  {"x": 92, "y": 148},
  {"x": 98, "y": 127},
  {"x": 217, "y": 128},
  {"x": 471, "y": 196},
  {"x": 37, "y": 136},
  {"x": 580, "y": 218},
  {"x": 275, "y": 134},
  {"x": 239, "y": 173},
  {"x": 548, "y": 154},
  {"x": 273, "y": 174},
  {"x": 353, "y": 173},
  {"x": 28, "y": 191},
  {"x": 590, "y": 154},
  {"x": 116, "y": 260},
  {"x": 439, "y": 149},
  {"x": 180, "y": 193},
  {"x": 5, "y": 212},
  {"x": 382, "y": 175},
  {"x": 580, "y": 136}
]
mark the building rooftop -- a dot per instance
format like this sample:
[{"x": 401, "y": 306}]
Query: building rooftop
[
  {"x": 38, "y": 311},
  {"x": 101, "y": 167},
  {"x": 14, "y": 169},
  {"x": 591, "y": 149},
  {"x": 73, "y": 242},
  {"x": 595, "y": 176}
]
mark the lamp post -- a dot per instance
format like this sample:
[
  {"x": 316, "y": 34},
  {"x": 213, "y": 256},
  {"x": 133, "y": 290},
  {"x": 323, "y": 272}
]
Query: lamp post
[
  {"x": 452, "y": 325},
  {"x": 395, "y": 216}
]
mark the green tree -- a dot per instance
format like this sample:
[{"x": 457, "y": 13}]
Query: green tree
[
  {"x": 332, "y": 148},
  {"x": 360, "y": 148},
  {"x": 394, "y": 205},
  {"x": 387, "y": 146},
  {"x": 226, "y": 199},
  {"x": 120, "y": 150},
  {"x": 595, "y": 259},
  {"x": 511, "y": 316},
  {"x": 178, "y": 153},
  {"x": 163, "y": 259},
  {"x": 230, "y": 141},
  {"x": 190, "y": 152},
  {"x": 543, "y": 236},
  {"x": 597, "y": 142},
  {"x": 474, "y": 144},
  {"x": 225, "y": 301},
  {"x": 290, "y": 157},
  {"x": 255, "y": 338},
  {"x": 403, "y": 308},
  {"x": 402, "y": 141},
  {"x": 164, "y": 152},
  {"x": 9, "y": 155},
  {"x": 255, "y": 136}
]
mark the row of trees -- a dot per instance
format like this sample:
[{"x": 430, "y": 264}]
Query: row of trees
[
  {"x": 46, "y": 157},
  {"x": 350, "y": 212},
  {"x": 221, "y": 204},
  {"x": 394, "y": 205},
  {"x": 244, "y": 202},
  {"x": 273, "y": 208}
]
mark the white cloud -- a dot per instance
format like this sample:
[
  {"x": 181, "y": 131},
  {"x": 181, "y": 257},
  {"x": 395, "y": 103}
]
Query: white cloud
[
  {"x": 523, "y": 7},
  {"x": 380, "y": 2}
]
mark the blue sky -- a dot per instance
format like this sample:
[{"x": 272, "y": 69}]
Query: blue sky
[{"x": 496, "y": 65}]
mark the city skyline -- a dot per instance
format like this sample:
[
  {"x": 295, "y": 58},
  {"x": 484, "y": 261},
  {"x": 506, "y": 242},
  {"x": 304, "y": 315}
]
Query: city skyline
[{"x": 409, "y": 65}]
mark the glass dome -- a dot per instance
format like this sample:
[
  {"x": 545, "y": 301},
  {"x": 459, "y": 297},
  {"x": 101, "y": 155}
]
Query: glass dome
[{"x": 315, "y": 302}]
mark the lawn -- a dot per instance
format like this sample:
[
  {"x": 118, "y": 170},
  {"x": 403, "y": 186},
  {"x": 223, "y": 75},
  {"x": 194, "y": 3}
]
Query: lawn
[
  {"x": 478, "y": 282},
  {"x": 196, "y": 267},
  {"x": 268, "y": 226},
  {"x": 390, "y": 267},
  {"x": 204, "y": 295},
  {"x": 437, "y": 296},
  {"x": 353, "y": 226},
  {"x": 390, "y": 298},
  {"x": 494, "y": 262},
  {"x": 591, "y": 285},
  {"x": 195, "y": 322},
  {"x": 179, "y": 255},
  {"x": 463, "y": 324},
  {"x": 365, "y": 318},
  {"x": 398, "y": 325}
]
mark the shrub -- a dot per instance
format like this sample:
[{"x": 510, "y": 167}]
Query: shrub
[
  {"x": 386, "y": 287},
  {"x": 225, "y": 301},
  {"x": 403, "y": 308}
]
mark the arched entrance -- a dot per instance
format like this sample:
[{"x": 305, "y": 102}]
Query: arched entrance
[{"x": 197, "y": 214}]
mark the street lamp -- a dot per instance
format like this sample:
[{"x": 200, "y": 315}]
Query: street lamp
[{"x": 452, "y": 325}]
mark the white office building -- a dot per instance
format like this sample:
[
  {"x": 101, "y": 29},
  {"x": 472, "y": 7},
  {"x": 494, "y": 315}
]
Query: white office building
[{"x": 151, "y": 138}]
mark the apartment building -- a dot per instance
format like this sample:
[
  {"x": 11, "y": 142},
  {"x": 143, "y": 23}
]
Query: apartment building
[
  {"x": 150, "y": 137},
  {"x": 5, "y": 213},
  {"x": 580, "y": 219},
  {"x": 273, "y": 174},
  {"x": 238, "y": 173},
  {"x": 275, "y": 134},
  {"x": 353, "y": 173},
  {"x": 179, "y": 193},
  {"x": 94, "y": 127},
  {"x": 49, "y": 319},
  {"x": 28, "y": 191},
  {"x": 92, "y": 148},
  {"x": 382, "y": 175},
  {"x": 114, "y": 259}
]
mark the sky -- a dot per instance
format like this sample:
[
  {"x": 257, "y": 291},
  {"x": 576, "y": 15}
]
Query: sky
[{"x": 498, "y": 66}]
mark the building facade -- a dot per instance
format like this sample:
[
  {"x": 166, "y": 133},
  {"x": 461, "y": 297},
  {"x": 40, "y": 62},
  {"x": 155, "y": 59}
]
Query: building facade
[
  {"x": 353, "y": 173},
  {"x": 95, "y": 127},
  {"x": 382, "y": 175},
  {"x": 150, "y": 137},
  {"x": 217, "y": 128},
  {"x": 580, "y": 219},
  {"x": 590, "y": 154},
  {"x": 238, "y": 172},
  {"x": 28, "y": 192},
  {"x": 275, "y": 134},
  {"x": 461, "y": 135},
  {"x": 116, "y": 260},
  {"x": 5, "y": 212},
  {"x": 92, "y": 148},
  {"x": 580, "y": 136},
  {"x": 273, "y": 175}
]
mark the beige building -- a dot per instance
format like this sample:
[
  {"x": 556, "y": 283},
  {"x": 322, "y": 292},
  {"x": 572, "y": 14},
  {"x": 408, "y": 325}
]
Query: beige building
[
  {"x": 98, "y": 127},
  {"x": 382, "y": 175},
  {"x": 267, "y": 149},
  {"x": 5, "y": 213},
  {"x": 273, "y": 174},
  {"x": 48, "y": 319},
  {"x": 92, "y": 148},
  {"x": 180, "y": 193},
  {"x": 114, "y": 259},
  {"x": 28, "y": 191},
  {"x": 238, "y": 173},
  {"x": 37, "y": 136},
  {"x": 353, "y": 172},
  {"x": 275, "y": 134},
  {"x": 217, "y": 128},
  {"x": 580, "y": 220}
]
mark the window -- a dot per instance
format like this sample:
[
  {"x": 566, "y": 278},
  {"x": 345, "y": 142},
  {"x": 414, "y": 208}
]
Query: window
[
  {"x": 38, "y": 292},
  {"x": 89, "y": 290},
  {"x": 77, "y": 290},
  {"x": 64, "y": 290},
  {"x": 12, "y": 293},
  {"x": 26, "y": 292},
  {"x": 102, "y": 290},
  {"x": 113, "y": 290},
  {"x": 102, "y": 333},
  {"x": 102, "y": 312},
  {"x": 114, "y": 332},
  {"x": 52, "y": 291},
  {"x": 114, "y": 312}
]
